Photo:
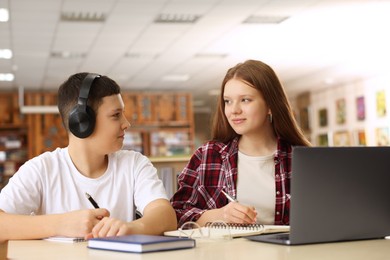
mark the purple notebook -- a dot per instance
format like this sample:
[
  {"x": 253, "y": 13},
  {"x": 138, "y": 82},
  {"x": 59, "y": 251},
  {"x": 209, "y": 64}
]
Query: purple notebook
[{"x": 140, "y": 243}]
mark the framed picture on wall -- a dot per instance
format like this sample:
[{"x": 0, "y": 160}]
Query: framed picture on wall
[
  {"x": 360, "y": 108},
  {"x": 322, "y": 140},
  {"x": 360, "y": 137},
  {"x": 304, "y": 119},
  {"x": 381, "y": 103},
  {"x": 323, "y": 117},
  {"x": 340, "y": 111},
  {"x": 341, "y": 138},
  {"x": 382, "y": 136}
]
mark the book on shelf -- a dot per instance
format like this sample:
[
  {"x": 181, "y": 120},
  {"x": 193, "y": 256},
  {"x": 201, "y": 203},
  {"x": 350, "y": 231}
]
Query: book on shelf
[
  {"x": 217, "y": 229},
  {"x": 140, "y": 243}
]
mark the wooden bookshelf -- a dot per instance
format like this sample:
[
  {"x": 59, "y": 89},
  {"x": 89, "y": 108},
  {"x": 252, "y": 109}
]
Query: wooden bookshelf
[
  {"x": 162, "y": 124},
  {"x": 13, "y": 150}
]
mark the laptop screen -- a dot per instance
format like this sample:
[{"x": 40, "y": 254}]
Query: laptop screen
[{"x": 339, "y": 194}]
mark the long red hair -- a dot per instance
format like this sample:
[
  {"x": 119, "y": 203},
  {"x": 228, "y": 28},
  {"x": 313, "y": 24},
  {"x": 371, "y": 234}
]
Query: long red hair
[{"x": 263, "y": 78}]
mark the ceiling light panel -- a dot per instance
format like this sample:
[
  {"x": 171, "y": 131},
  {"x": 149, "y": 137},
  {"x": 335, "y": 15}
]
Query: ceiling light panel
[
  {"x": 140, "y": 55},
  {"x": 187, "y": 11},
  {"x": 263, "y": 19},
  {"x": 5, "y": 54},
  {"x": 86, "y": 10},
  {"x": 6, "y": 77},
  {"x": 67, "y": 55},
  {"x": 176, "y": 18},
  {"x": 210, "y": 55},
  {"x": 4, "y": 15},
  {"x": 83, "y": 17},
  {"x": 175, "y": 77}
]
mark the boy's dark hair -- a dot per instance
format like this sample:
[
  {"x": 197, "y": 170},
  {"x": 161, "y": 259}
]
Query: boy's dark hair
[{"x": 68, "y": 94}]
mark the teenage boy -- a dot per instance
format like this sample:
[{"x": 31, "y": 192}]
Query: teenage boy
[{"x": 48, "y": 195}]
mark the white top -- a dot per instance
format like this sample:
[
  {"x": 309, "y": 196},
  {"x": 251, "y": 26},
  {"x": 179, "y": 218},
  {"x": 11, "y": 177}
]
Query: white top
[
  {"x": 256, "y": 185},
  {"x": 50, "y": 184}
]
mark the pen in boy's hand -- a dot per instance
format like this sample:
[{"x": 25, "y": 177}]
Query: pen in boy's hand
[
  {"x": 93, "y": 202},
  {"x": 228, "y": 196}
]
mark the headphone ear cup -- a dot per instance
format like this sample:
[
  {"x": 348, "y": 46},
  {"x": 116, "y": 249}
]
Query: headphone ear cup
[{"x": 82, "y": 123}]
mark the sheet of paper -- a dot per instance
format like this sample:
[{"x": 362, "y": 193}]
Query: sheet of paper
[{"x": 65, "y": 239}]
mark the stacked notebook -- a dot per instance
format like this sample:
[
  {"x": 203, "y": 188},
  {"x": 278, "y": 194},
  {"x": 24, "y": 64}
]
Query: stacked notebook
[{"x": 140, "y": 243}]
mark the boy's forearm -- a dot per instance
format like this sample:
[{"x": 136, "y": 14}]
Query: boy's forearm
[
  {"x": 26, "y": 227},
  {"x": 158, "y": 217}
]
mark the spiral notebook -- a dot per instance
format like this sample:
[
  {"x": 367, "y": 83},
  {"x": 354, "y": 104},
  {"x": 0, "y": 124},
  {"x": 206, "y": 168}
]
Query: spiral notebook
[{"x": 235, "y": 230}]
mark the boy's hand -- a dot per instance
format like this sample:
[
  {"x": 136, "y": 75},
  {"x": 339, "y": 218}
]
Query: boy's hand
[
  {"x": 80, "y": 223},
  {"x": 109, "y": 227}
]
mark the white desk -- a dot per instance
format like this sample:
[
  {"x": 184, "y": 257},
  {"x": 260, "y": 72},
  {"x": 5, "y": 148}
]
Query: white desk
[{"x": 239, "y": 248}]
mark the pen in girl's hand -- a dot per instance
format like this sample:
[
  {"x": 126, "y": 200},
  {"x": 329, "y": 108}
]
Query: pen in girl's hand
[
  {"x": 93, "y": 202},
  {"x": 228, "y": 196}
]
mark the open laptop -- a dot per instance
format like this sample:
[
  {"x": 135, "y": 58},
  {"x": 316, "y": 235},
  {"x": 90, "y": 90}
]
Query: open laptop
[{"x": 337, "y": 194}]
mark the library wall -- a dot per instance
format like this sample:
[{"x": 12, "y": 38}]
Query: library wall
[{"x": 355, "y": 114}]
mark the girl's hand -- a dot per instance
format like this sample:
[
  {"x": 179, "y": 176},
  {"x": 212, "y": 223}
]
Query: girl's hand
[{"x": 235, "y": 212}]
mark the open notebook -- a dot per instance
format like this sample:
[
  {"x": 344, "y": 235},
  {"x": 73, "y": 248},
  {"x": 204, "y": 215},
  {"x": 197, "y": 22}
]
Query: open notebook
[
  {"x": 65, "y": 239},
  {"x": 222, "y": 229}
]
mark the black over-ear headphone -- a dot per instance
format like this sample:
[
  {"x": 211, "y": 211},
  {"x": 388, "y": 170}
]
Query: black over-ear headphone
[{"x": 82, "y": 117}]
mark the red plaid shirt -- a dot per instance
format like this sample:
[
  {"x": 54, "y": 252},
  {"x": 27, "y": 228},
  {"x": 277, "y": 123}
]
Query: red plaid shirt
[{"x": 213, "y": 167}]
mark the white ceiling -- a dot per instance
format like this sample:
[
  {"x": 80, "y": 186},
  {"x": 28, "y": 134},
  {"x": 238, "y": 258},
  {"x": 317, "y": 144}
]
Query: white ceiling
[{"x": 322, "y": 41}]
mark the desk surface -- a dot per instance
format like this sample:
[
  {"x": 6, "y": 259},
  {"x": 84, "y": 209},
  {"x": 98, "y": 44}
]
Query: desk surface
[{"x": 238, "y": 248}]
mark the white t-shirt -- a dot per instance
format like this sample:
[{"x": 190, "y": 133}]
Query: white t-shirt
[
  {"x": 50, "y": 184},
  {"x": 256, "y": 185}
]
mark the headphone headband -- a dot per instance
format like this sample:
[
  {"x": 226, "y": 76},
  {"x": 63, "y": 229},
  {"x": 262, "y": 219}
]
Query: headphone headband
[{"x": 85, "y": 88}]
